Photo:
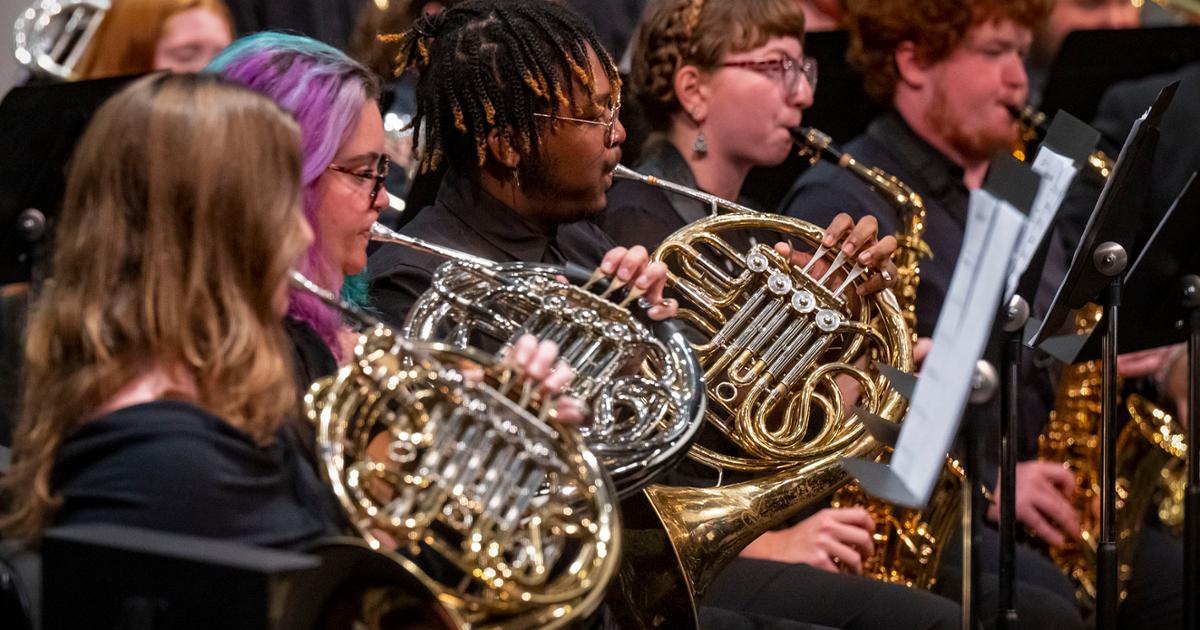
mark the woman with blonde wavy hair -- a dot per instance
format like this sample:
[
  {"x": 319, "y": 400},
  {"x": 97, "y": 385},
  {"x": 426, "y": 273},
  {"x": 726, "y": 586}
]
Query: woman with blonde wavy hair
[{"x": 157, "y": 371}]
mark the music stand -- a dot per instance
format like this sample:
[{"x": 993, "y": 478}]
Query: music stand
[
  {"x": 1169, "y": 265},
  {"x": 1070, "y": 138},
  {"x": 1097, "y": 270},
  {"x": 39, "y": 128}
]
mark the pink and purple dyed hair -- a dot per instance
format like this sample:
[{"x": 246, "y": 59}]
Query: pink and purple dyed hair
[{"x": 325, "y": 90}]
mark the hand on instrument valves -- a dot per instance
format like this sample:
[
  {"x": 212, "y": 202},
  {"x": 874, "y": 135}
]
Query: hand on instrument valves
[
  {"x": 633, "y": 267},
  {"x": 833, "y": 539},
  {"x": 1044, "y": 491},
  {"x": 538, "y": 361},
  {"x": 859, "y": 241}
]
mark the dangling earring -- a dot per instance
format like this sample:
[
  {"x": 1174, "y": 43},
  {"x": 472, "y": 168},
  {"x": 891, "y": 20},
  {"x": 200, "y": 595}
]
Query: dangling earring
[
  {"x": 516, "y": 178},
  {"x": 700, "y": 146}
]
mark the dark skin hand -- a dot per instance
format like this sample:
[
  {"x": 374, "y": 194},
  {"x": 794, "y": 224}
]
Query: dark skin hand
[{"x": 861, "y": 243}]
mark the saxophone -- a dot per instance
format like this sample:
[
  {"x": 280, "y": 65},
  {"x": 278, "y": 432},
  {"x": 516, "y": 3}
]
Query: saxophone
[
  {"x": 908, "y": 542},
  {"x": 1151, "y": 456}
]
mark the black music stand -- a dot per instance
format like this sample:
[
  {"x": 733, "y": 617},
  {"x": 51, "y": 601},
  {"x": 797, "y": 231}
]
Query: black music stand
[
  {"x": 1071, "y": 138},
  {"x": 1170, "y": 266},
  {"x": 1097, "y": 271},
  {"x": 39, "y": 128}
]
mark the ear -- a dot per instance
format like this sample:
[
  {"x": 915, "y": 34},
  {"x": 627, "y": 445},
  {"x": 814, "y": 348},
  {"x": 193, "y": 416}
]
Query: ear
[
  {"x": 502, "y": 150},
  {"x": 911, "y": 70},
  {"x": 692, "y": 92}
]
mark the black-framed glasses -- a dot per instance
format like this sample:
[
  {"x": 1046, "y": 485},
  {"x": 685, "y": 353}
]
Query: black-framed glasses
[
  {"x": 378, "y": 176},
  {"x": 785, "y": 70},
  {"x": 612, "y": 113}
]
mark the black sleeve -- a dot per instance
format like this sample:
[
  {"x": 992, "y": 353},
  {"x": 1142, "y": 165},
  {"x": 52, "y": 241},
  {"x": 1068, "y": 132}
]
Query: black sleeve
[
  {"x": 629, "y": 226},
  {"x": 638, "y": 215},
  {"x": 819, "y": 200}
]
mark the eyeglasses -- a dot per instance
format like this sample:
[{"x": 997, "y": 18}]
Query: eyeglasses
[
  {"x": 785, "y": 70},
  {"x": 613, "y": 113},
  {"x": 378, "y": 176}
]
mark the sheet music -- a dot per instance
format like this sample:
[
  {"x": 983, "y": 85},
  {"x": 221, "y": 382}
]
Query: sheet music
[
  {"x": 1057, "y": 173},
  {"x": 962, "y": 330}
]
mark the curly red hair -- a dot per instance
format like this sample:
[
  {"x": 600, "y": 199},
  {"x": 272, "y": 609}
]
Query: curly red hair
[{"x": 936, "y": 27}]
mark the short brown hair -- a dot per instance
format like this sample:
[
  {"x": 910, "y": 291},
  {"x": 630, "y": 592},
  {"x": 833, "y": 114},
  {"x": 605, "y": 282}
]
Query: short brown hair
[
  {"x": 935, "y": 27},
  {"x": 677, "y": 33}
]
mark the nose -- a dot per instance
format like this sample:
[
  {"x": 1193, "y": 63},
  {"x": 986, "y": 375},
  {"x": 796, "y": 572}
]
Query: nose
[
  {"x": 802, "y": 94},
  {"x": 618, "y": 135},
  {"x": 382, "y": 200}
]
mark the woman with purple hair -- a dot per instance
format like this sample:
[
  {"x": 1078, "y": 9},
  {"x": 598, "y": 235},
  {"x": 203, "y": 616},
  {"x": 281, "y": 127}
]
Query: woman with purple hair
[
  {"x": 333, "y": 98},
  {"x": 344, "y": 165}
]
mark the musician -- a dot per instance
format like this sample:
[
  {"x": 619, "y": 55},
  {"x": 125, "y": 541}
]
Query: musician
[
  {"x": 158, "y": 375},
  {"x": 156, "y": 370},
  {"x": 951, "y": 73},
  {"x": 720, "y": 104},
  {"x": 520, "y": 102},
  {"x": 333, "y": 98}
]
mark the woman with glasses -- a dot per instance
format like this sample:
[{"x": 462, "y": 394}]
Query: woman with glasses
[
  {"x": 722, "y": 84},
  {"x": 333, "y": 98}
]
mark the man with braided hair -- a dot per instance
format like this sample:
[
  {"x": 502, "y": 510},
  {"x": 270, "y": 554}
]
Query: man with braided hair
[{"x": 519, "y": 101}]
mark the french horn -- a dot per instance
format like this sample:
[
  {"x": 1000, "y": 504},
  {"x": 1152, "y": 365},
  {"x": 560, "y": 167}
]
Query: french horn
[
  {"x": 506, "y": 520},
  {"x": 778, "y": 343},
  {"x": 640, "y": 378},
  {"x": 51, "y": 36}
]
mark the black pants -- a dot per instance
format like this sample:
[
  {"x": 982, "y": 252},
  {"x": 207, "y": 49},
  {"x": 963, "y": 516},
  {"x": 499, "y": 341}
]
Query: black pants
[
  {"x": 1156, "y": 587},
  {"x": 1045, "y": 598},
  {"x": 803, "y": 593}
]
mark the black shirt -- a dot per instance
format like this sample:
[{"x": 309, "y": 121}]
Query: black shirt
[
  {"x": 312, "y": 360},
  {"x": 171, "y": 466},
  {"x": 470, "y": 220},
  {"x": 641, "y": 214},
  {"x": 890, "y": 144}
]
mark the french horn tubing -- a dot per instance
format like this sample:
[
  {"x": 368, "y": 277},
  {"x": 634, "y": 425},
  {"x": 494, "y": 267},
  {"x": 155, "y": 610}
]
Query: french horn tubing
[
  {"x": 509, "y": 520},
  {"x": 640, "y": 378},
  {"x": 777, "y": 342}
]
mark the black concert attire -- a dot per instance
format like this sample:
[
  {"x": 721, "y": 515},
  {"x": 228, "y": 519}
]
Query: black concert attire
[
  {"x": 470, "y": 220},
  {"x": 639, "y": 214},
  {"x": 892, "y": 145},
  {"x": 311, "y": 361},
  {"x": 171, "y": 466}
]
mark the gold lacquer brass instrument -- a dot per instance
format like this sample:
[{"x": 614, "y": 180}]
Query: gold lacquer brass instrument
[
  {"x": 1150, "y": 465},
  {"x": 507, "y": 519},
  {"x": 643, "y": 421},
  {"x": 908, "y": 542},
  {"x": 51, "y": 36},
  {"x": 778, "y": 343},
  {"x": 910, "y": 210}
]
